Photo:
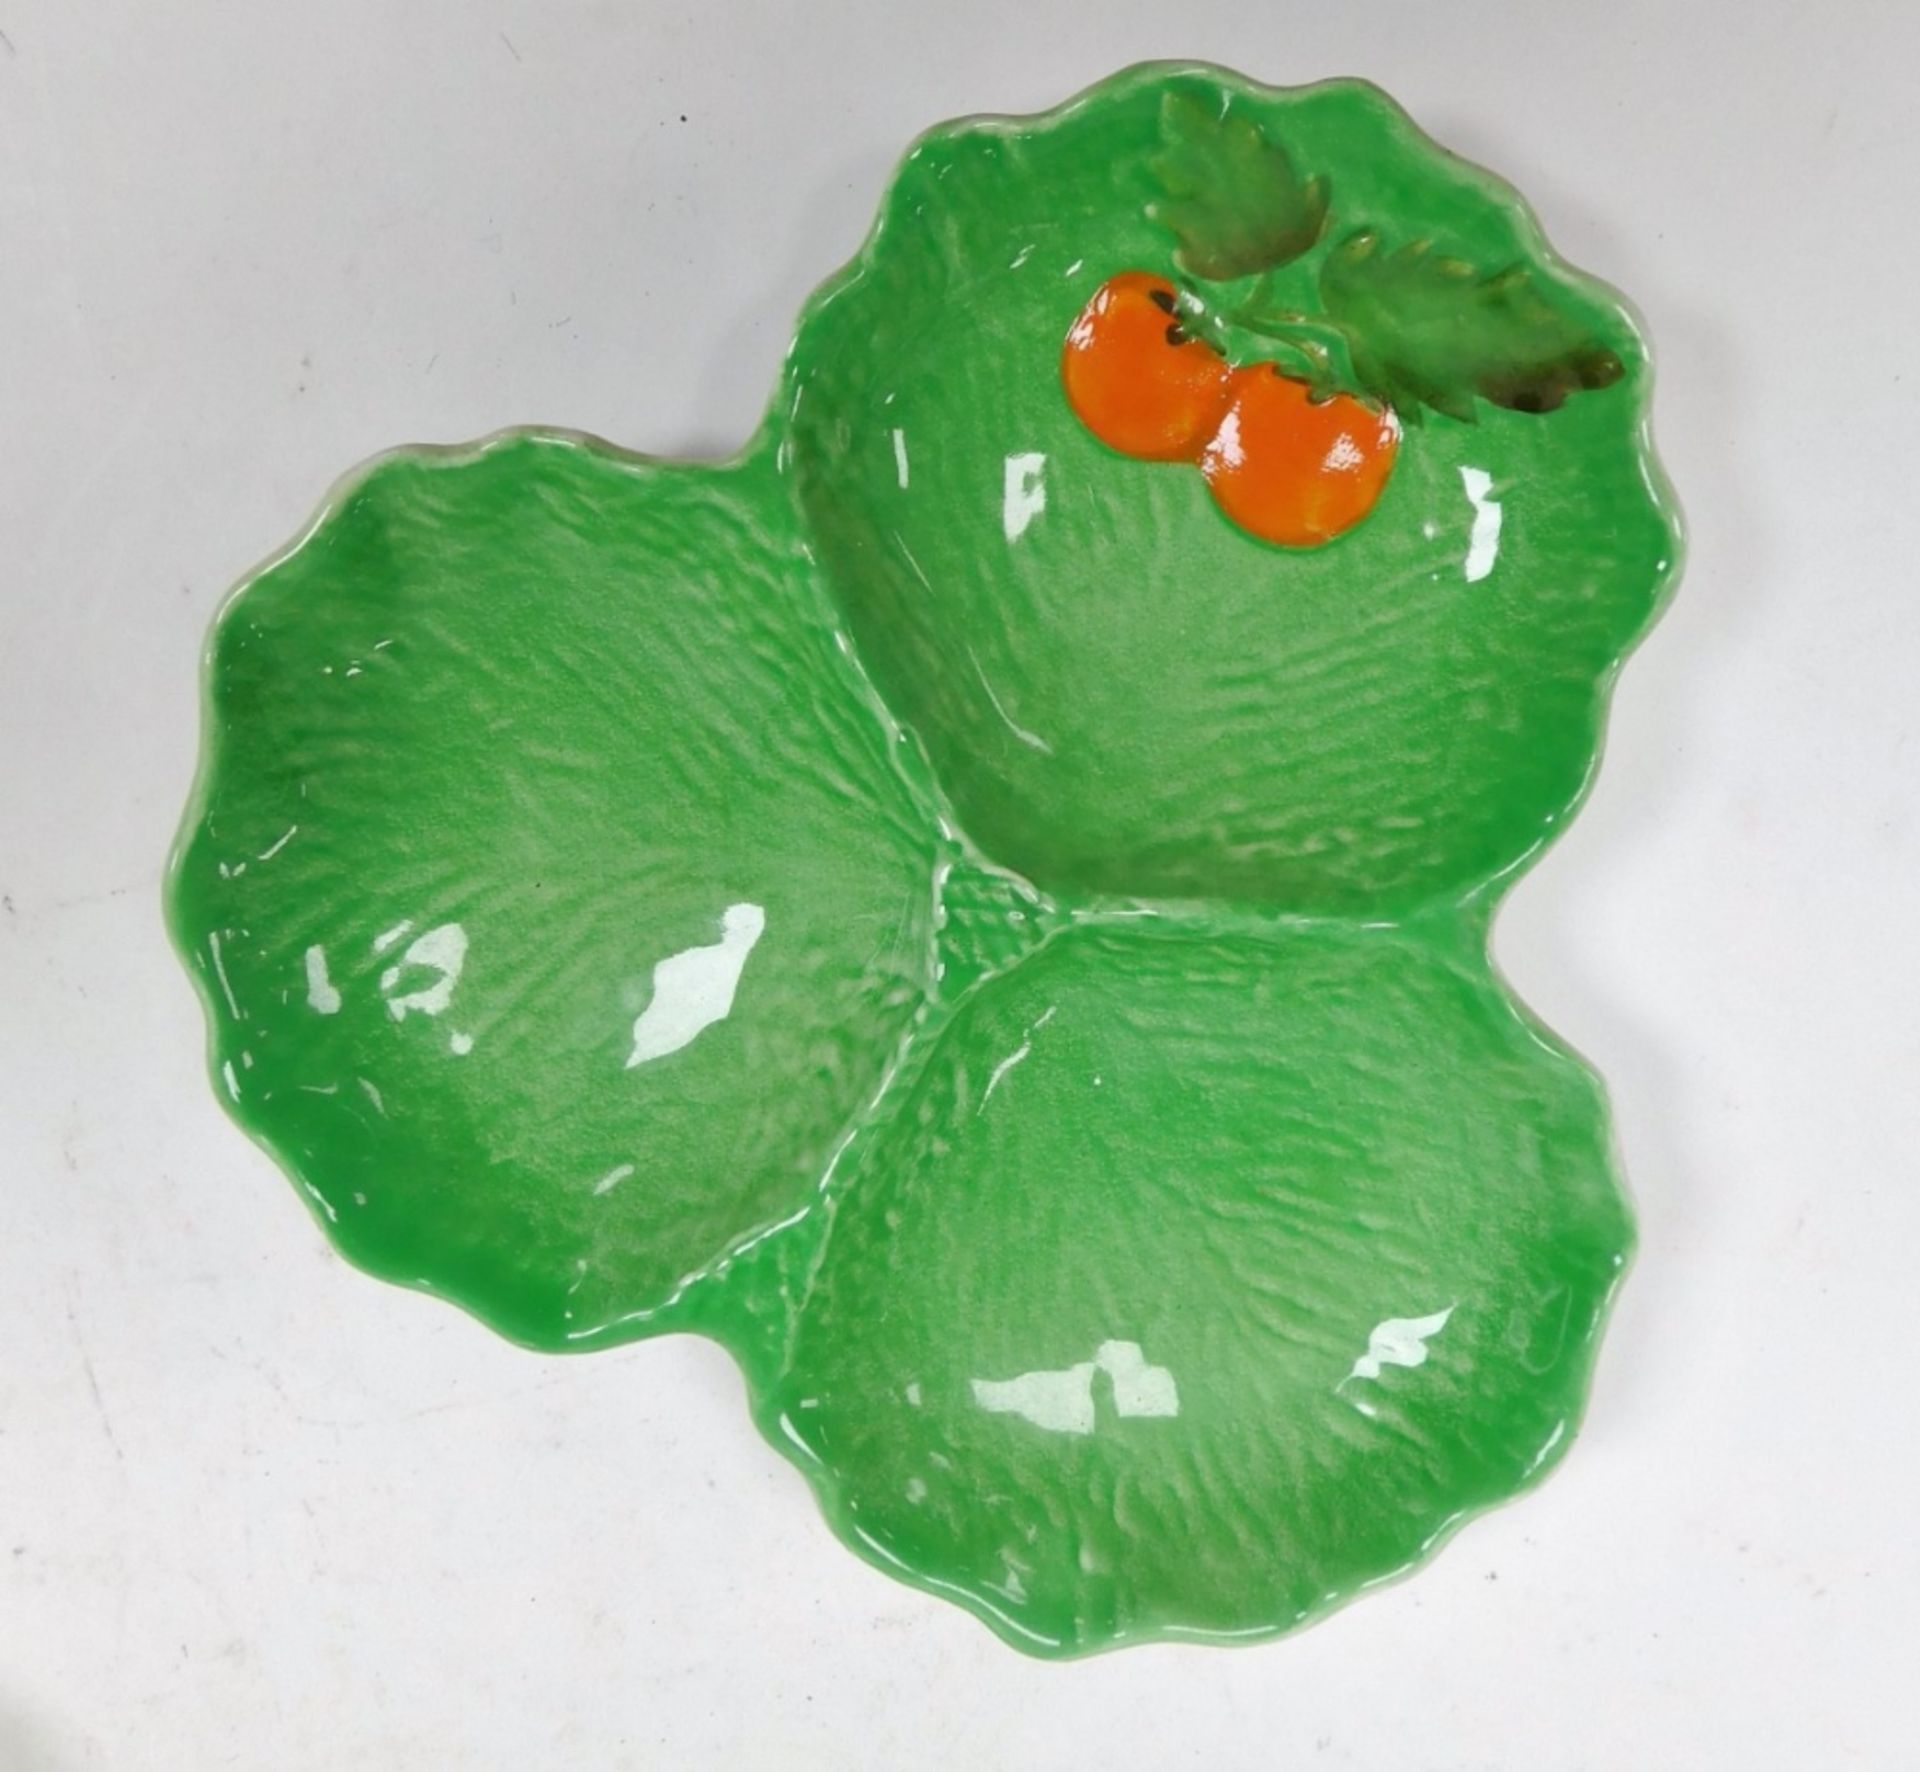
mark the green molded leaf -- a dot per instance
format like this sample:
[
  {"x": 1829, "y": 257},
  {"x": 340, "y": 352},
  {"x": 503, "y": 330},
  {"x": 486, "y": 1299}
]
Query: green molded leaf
[
  {"x": 1201, "y": 1279},
  {"x": 1426, "y": 328},
  {"x": 1232, "y": 196},
  {"x": 556, "y": 898}
]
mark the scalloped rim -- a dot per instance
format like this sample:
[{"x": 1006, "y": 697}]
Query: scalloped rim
[
  {"x": 1479, "y": 906},
  {"x": 1476, "y": 909}
]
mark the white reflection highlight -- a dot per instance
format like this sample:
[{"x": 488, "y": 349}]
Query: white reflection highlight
[
  {"x": 1006, "y": 1064},
  {"x": 322, "y": 998},
  {"x": 1483, "y": 540},
  {"x": 1017, "y": 1056},
  {"x": 1398, "y": 1341},
  {"x": 220, "y": 972},
  {"x": 1344, "y": 455},
  {"x": 1553, "y": 1439},
  {"x": 1226, "y": 445},
  {"x": 1023, "y": 494},
  {"x": 1138, "y": 1388},
  {"x": 441, "y": 951},
  {"x": 900, "y": 456},
  {"x": 1020, "y": 732},
  {"x": 1061, "y": 1400},
  {"x": 913, "y": 565},
  {"x": 695, "y": 988}
]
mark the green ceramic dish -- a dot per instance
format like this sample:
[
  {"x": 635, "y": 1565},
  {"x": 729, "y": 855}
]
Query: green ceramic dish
[{"x": 936, "y": 905}]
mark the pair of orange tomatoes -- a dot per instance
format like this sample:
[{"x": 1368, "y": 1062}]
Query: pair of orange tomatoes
[{"x": 1282, "y": 465}]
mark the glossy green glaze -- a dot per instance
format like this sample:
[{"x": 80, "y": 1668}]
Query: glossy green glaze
[
  {"x": 1118, "y": 692},
  {"x": 933, "y": 905},
  {"x": 1199, "y": 1278},
  {"x": 514, "y": 725}
]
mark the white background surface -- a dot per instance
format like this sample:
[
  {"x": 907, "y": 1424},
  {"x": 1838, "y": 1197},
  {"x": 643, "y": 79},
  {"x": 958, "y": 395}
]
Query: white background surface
[{"x": 258, "y": 1510}]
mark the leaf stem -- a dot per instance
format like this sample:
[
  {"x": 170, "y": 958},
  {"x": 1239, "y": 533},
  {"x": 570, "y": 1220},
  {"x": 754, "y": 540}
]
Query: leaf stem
[
  {"x": 1322, "y": 343},
  {"x": 1318, "y": 349}
]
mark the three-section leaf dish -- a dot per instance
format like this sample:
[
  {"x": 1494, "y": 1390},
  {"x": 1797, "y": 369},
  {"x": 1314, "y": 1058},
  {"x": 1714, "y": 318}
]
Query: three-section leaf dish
[{"x": 980, "y": 902}]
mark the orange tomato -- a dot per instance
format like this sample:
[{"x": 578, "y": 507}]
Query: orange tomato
[
  {"x": 1136, "y": 378},
  {"x": 1293, "y": 470}
]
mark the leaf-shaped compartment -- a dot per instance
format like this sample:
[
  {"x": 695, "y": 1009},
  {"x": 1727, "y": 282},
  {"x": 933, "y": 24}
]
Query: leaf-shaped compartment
[
  {"x": 1120, "y": 691},
  {"x": 1202, "y": 1278},
  {"x": 555, "y": 889}
]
